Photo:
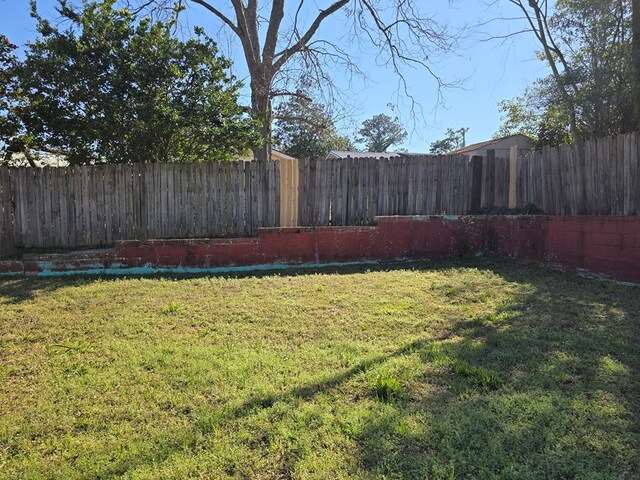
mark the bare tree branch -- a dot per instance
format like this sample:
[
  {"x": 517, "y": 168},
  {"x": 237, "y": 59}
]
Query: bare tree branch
[
  {"x": 295, "y": 48},
  {"x": 271, "y": 40},
  {"x": 218, "y": 14}
]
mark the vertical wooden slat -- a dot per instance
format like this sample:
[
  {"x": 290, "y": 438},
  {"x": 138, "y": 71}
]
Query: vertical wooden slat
[
  {"x": 7, "y": 234},
  {"x": 275, "y": 199},
  {"x": 631, "y": 185},
  {"x": 174, "y": 199},
  {"x": 196, "y": 200},
  {"x": 476, "y": 184},
  {"x": 65, "y": 196},
  {"x": 93, "y": 205},
  {"x": 101, "y": 210},
  {"x": 218, "y": 202},
  {"x": 21, "y": 221},
  {"x": 138, "y": 194},
  {"x": 156, "y": 208}
]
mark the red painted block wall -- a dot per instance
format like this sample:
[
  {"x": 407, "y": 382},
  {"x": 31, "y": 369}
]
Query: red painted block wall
[
  {"x": 607, "y": 245},
  {"x": 602, "y": 245}
]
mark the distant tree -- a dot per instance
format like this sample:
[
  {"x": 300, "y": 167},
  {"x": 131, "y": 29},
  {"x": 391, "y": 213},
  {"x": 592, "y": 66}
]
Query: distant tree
[
  {"x": 453, "y": 139},
  {"x": 111, "y": 88},
  {"x": 304, "y": 129},
  {"x": 380, "y": 132}
]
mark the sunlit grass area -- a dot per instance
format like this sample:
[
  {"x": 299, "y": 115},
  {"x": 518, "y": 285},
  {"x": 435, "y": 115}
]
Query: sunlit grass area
[{"x": 436, "y": 370}]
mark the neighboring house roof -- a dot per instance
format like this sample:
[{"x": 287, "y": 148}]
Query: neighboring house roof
[
  {"x": 486, "y": 145},
  {"x": 344, "y": 154}
]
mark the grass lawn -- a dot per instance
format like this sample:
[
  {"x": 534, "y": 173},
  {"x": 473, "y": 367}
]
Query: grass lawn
[{"x": 438, "y": 370}]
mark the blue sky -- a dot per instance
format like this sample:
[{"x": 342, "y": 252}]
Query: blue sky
[{"x": 492, "y": 71}]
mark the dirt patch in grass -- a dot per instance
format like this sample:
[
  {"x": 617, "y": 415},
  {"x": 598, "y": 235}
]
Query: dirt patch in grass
[{"x": 437, "y": 370}]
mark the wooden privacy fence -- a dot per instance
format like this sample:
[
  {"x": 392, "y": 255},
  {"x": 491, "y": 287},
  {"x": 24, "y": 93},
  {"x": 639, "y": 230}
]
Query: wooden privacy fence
[
  {"x": 601, "y": 178},
  {"x": 97, "y": 205},
  {"x": 353, "y": 191}
]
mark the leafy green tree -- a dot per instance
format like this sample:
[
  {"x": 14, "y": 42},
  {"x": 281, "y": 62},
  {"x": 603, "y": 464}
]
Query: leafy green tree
[
  {"x": 11, "y": 141},
  {"x": 110, "y": 88},
  {"x": 453, "y": 139},
  {"x": 380, "y": 132},
  {"x": 587, "y": 44},
  {"x": 530, "y": 114},
  {"x": 304, "y": 129}
]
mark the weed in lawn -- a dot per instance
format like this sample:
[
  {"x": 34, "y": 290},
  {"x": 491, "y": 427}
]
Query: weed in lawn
[
  {"x": 387, "y": 387},
  {"x": 476, "y": 375},
  {"x": 435, "y": 353},
  {"x": 80, "y": 370},
  {"x": 171, "y": 309},
  {"x": 69, "y": 348},
  {"x": 485, "y": 320}
]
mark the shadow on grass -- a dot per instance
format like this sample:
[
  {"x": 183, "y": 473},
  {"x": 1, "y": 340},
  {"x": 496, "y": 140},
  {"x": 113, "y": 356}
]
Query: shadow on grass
[
  {"x": 565, "y": 405},
  {"x": 546, "y": 387},
  {"x": 16, "y": 289}
]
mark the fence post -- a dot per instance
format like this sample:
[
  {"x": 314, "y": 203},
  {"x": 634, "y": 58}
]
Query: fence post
[
  {"x": 6, "y": 210},
  {"x": 476, "y": 184},
  {"x": 513, "y": 175}
]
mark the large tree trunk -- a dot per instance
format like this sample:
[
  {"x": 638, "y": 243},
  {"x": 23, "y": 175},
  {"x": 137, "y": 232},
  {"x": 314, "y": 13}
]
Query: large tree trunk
[
  {"x": 261, "y": 110},
  {"x": 635, "y": 80},
  {"x": 538, "y": 21}
]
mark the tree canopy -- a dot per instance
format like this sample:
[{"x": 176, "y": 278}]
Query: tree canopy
[
  {"x": 587, "y": 44},
  {"x": 304, "y": 129},
  {"x": 381, "y": 132},
  {"x": 454, "y": 138},
  {"x": 111, "y": 88}
]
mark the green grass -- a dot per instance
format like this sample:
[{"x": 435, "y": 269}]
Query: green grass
[{"x": 440, "y": 370}]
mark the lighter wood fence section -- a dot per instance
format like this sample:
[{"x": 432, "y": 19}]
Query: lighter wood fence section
[
  {"x": 601, "y": 178},
  {"x": 97, "y": 205},
  {"x": 354, "y": 191},
  {"x": 289, "y": 182}
]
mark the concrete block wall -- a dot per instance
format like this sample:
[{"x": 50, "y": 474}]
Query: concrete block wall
[{"x": 607, "y": 245}]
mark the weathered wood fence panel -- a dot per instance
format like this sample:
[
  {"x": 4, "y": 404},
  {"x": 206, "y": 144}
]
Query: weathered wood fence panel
[
  {"x": 353, "y": 191},
  {"x": 97, "y": 205},
  {"x": 600, "y": 178},
  {"x": 6, "y": 221}
]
